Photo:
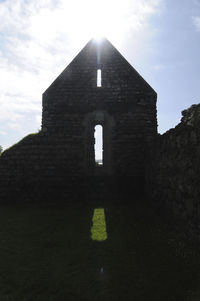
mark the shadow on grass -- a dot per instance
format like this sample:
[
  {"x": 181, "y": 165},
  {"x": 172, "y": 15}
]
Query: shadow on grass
[{"x": 46, "y": 253}]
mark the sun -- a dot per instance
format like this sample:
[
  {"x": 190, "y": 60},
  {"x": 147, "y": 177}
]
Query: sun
[
  {"x": 96, "y": 19},
  {"x": 106, "y": 16}
]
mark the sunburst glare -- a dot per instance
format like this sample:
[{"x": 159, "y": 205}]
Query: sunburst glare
[{"x": 97, "y": 19}]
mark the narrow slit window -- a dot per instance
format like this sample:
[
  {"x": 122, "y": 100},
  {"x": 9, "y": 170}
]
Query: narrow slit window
[
  {"x": 99, "y": 78},
  {"x": 98, "y": 147}
]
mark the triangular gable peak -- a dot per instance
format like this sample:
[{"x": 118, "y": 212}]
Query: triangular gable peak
[
  {"x": 77, "y": 90},
  {"x": 82, "y": 71}
]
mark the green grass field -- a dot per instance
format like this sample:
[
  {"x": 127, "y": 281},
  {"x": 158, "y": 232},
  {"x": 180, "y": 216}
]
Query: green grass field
[{"x": 47, "y": 254}]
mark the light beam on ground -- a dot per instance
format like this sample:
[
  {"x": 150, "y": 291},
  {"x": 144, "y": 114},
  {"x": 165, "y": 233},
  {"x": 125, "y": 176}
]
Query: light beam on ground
[{"x": 98, "y": 230}]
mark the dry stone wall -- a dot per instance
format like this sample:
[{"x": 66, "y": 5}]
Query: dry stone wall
[
  {"x": 41, "y": 168},
  {"x": 173, "y": 173}
]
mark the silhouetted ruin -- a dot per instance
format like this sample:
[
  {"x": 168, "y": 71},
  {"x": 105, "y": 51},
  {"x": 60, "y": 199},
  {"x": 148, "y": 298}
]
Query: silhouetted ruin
[{"x": 58, "y": 163}]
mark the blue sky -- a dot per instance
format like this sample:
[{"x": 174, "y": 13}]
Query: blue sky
[{"x": 39, "y": 38}]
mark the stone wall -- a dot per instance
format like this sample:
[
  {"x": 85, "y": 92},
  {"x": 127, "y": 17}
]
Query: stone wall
[
  {"x": 41, "y": 168},
  {"x": 59, "y": 162},
  {"x": 173, "y": 173},
  {"x": 125, "y": 106}
]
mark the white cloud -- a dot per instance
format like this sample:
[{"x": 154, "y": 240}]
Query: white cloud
[
  {"x": 3, "y": 133},
  {"x": 38, "y": 39},
  {"x": 196, "y": 22},
  {"x": 160, "y": 67},
  {"x": 38, "y": 119}
]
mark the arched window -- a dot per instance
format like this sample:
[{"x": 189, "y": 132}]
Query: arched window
[{"x": 98, "y": 147}]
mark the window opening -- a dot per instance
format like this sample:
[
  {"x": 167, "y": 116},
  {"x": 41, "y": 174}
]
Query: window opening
[
  {"x": 98, "y": 147},
  {"x": 99, "y": 78}
]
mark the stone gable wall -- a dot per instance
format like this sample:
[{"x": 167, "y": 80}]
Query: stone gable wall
[
  {"x": 126, "y": 102},
  {"x": 173, "y": 174},
  {"x": 58, "y": 160}
]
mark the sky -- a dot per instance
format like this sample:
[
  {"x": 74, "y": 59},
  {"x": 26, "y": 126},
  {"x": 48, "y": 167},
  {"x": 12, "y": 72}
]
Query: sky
[{"x": 39, "y": 38}]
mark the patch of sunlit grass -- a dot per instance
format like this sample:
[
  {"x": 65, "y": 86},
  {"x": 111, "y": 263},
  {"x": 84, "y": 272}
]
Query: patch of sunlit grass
[{"x": 98, "y": 230}]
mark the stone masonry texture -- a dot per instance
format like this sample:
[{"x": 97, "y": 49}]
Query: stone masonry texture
[
  {"x": 58, "y": 162},
  {"x": 173, "y": 171}
]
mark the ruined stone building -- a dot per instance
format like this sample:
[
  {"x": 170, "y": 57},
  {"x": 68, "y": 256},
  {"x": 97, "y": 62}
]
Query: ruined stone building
[
  {"x": 60, "y": 159},
  {"x": 99, "y": 87}
]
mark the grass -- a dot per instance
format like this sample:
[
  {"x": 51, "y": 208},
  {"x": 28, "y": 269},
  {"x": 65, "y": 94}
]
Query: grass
[
  {"x": 98, "y": 230},
  {"x": 46, "y": 253}
]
